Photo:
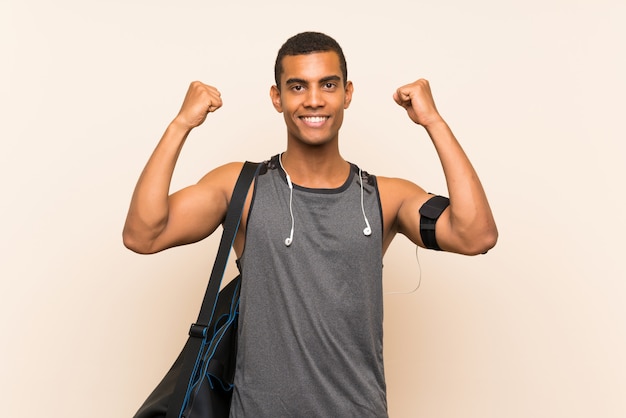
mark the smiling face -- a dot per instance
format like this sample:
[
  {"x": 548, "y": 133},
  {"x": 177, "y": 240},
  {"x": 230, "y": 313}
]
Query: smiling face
[{"x": 312, "y": 97}]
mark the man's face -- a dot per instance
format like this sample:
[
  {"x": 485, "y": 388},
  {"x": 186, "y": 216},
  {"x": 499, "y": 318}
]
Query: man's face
[{"x": 312, "y": 97}]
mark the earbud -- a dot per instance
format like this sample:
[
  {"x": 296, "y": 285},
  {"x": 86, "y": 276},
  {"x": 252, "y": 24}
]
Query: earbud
[
  {"x": 288, "y": 240},
  {"x": 368, "y": 230}
]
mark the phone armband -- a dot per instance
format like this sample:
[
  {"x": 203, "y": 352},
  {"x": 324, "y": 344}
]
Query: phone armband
[{"x": 429, "y": 213}]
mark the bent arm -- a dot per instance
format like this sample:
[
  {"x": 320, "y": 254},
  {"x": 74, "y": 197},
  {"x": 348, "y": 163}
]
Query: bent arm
[
  {"x": 155, "y": 219},
  {"x": 149, "y": 206},
  {"x": 467, "y": 226}
]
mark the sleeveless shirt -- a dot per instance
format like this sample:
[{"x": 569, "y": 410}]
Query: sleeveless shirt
[{"x": 310, "y": 325}]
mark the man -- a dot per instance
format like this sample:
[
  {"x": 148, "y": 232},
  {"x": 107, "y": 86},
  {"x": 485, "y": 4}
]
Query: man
[{"x": 314, "y": 230}]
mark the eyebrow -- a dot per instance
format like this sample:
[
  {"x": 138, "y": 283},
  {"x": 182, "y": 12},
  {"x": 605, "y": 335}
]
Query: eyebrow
[{"x": 321, "y": 81}]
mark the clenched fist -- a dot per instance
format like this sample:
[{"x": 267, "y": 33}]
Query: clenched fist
[
  {"x": 418, "y": 101},
  {"x": 200, "y": 100}
]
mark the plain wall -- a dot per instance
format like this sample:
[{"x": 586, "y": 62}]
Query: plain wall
[{"x": 533, "y": 89}]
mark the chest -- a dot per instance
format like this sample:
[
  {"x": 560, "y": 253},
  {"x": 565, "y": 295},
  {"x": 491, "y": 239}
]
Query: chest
[{"x": 317, "y": 218}]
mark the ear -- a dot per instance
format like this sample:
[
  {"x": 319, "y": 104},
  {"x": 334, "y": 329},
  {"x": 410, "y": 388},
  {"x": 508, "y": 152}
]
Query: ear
[
  {"x": 276, "y": 101},
  {"x": 348, "y": 95}
]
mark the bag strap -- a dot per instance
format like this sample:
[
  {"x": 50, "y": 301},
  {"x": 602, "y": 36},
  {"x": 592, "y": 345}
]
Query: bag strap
[
  {"x": 200, "y": 329},
  {"x": 231, "y": 225}
]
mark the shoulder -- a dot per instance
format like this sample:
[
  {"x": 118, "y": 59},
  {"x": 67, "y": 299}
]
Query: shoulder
[
  {"x": 394, "y": 189},
  {"x": 399, "y": 199},
  {"x": 396, "y": 193},
  {"x": 221, "y": 180},
  {"x": 223, "y": 176},
  {"x": 217, "y": 185}
]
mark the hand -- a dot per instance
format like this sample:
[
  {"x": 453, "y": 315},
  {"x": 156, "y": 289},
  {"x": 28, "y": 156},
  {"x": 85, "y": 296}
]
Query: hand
[
  {"x": 201, "y": 99},
  {"x": 418, "y": 101}
]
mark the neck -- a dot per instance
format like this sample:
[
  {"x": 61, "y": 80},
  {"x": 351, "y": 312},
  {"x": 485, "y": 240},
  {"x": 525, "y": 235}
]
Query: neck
[{"x": 316, "y": 167}]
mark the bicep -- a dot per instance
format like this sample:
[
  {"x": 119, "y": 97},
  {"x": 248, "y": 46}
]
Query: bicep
[
  {"x": 410, "y": 198},
  {"x": 196, "y": 211},
  {"x": 447, "y": 237},
  {"x": 408, "y": 214},
  {"x": 401, "y": 200}
]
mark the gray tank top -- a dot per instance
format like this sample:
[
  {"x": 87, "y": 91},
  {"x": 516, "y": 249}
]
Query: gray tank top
[{"x": 310, "y": 325}]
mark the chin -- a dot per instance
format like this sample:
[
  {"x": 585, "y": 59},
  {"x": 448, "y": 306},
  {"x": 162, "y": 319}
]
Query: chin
[{"x": 315, "y": 140}]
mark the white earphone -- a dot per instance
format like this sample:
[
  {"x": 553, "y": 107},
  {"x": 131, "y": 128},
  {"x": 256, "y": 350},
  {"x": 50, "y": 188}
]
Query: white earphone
[
  {"x": 289, "y": 240},
  {"x": 367, "y": 231}
]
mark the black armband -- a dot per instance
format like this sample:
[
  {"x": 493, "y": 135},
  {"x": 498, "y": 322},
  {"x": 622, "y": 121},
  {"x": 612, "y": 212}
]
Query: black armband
[{"x": 431, "y": 211}]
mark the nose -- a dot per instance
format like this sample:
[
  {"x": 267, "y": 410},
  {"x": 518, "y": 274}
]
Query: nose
[{"x": 314, "y": 98}]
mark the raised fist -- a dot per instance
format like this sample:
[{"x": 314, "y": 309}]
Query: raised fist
[
  {"x": 418, "y": 101},
  {"x": 200, "y": 100}
]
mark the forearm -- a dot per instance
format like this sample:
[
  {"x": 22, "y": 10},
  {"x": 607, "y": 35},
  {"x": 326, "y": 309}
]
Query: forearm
[
  {"x": 149, "y": 207},
  {"x": 471, "y": 219}
]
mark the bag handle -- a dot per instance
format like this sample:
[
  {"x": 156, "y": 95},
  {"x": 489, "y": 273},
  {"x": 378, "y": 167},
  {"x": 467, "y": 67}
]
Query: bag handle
[{"x": 199, "y": 329}]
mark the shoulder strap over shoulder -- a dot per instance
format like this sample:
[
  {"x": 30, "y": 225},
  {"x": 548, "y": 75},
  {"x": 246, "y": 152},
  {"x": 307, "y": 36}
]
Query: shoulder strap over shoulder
[{"x": 200, "y": 328}]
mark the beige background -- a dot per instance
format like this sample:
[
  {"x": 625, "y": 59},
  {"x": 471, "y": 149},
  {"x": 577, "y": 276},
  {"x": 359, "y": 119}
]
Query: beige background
[{"x": 534, "y": 90}]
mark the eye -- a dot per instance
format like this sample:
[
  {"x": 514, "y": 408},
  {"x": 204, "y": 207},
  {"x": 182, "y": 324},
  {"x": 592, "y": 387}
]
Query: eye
[
  {"x": 297, "y": 87},
  {"x": 329, "y": 86}
]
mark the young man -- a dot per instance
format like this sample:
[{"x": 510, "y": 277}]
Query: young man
[{"x": 314, "y": 230}]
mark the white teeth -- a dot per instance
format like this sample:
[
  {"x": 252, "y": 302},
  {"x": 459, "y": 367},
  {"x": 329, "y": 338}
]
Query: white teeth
[{"x": 314, "y": 119}]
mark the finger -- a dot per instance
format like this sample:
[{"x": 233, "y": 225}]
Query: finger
[
  {"x": 396, "y": 98},
  {"x": 402, "y": 98},
  {"x": 213, "y": 91},
  {"x": 215, "y": 103}
]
